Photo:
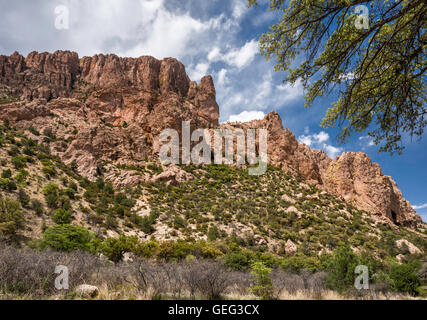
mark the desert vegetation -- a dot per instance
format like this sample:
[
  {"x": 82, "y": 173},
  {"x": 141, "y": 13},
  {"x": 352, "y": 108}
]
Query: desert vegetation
[
  {"x": 220, "y": 235},
  {"x": 27, "y": 273}
]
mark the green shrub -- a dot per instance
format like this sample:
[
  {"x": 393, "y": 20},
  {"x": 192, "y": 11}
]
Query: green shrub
[
  {"x": 22, "y": 176},
  {"x": 300, "y": 262},
  {"x": 213, "y": 233},
  {"x": 341, "y": 268},
  {"x": 11, "y": 216},
  {"x": 7, "y": 185},
  {"x": 37, "y": 206},
  {"x": 114, "y": 248},
  {"x": 23, "y": 198},
  {"x": 67, "y": 237},
  {"x": 62, "y": 216},
  {"x": 262, "y": 285},
  {"x": 404, "y": 277},
  {"x": 238, "y": 260},
  {"x": 51, "y": 194},
  {"x": 6, "y": 174},
  {"x": 19, "y": 162}
]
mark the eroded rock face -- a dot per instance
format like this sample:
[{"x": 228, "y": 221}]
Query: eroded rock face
[
  {"x": 114, "y": 108},
  {"x": 351, "y": 176},
  {"x": 111, "y": 109},
  {"x": 359, "y": 181},
  {"x": 284, "y": 150}
]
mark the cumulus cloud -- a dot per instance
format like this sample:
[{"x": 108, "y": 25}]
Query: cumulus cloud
[
  {"x": 222, "y": 77},
  {"x": 242, "y": 57},
  {"x": 291, "y": 92},
  {"x": 199, "y": 71},
  {"x": 320, "y": 141},
  {"x": 239, "y": 9},
  {"x": 422, "y": 206},
  {"x": 239, "y": 57},
  {"x": 246, "y": 116}
]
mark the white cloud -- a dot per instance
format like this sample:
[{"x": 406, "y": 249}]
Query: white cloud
[
  {"x": 242, "y": 57},
  {"x": 331, "y": 150},
  {"x": 317, "y": 138},
  {"x": 246, "y": 116},
  {"x": 291, "y": 92},
  {"x": 422, "y": 206},
  {"x": 214, "y": 55},
  {"x": 222, "y": 77},
  {"x": 319, "y": 141},
  {"x": 199, "y": 71},
  {"x": 321, "y": 137},
  {"x": 236, "y": 57},
  {"x": 239, "y": 9}
]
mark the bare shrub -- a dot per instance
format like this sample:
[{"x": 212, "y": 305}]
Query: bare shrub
[
  {"x": 240, "y": 282},
  {"x": 210, "y": 278},
  {"x": 151, "y": 278},
  {"x": 172, "y": 273},
  {"x": 317, "y": 284},
  {"x": 29, "y": 272}
]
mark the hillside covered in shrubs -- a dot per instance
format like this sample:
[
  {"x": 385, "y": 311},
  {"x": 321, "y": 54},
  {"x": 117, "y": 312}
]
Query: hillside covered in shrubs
[{"x": 219, "y": 234}]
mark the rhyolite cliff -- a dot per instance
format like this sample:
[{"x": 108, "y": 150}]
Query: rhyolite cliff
[{"x": 115, "y": 108}]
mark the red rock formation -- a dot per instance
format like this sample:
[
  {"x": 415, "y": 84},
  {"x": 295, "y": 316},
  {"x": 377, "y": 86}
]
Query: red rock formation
[
  {"x": 351, "y": 176},
  {"x": 118, "y": 106},
  {"x": 115, "y": 108}
]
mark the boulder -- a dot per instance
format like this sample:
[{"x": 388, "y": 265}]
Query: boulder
[
  {"x": 87, "y": 291},
  {"x": 290, "y": 248}
]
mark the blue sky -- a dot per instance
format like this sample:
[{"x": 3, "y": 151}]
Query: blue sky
[{"x": 217, "y": 37}]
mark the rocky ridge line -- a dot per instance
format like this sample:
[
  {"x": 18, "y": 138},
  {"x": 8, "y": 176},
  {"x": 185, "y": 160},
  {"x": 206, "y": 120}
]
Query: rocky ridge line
[{"x": 115, "y": 109}]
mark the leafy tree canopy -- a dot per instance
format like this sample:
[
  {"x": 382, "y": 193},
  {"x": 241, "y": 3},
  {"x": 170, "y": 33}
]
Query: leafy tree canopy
[{"x": 372, "y": 51}]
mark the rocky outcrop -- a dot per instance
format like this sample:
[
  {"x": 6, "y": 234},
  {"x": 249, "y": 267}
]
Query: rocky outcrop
[
  {"x": 357, "y": 180},
  {"x": 290, "y": 248},
  {"x": 351, "y": 176},
  {"x": 172, "y": 175},
  {"x": 40, "y": 75},
  {"x": 110, "y": 109},
  {"x": 116, "y": 107},
  {"x": 405, "y": 244}
]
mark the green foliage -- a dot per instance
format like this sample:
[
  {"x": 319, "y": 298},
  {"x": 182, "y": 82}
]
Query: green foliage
[
  {"x": 238, "y": 260},
  {"x": 22, "y": 176},
  {"x": 6, "y": 174},
  {"x": 381, "y": 81},
  {"x": 262, "y": 285},
  {"x": 62, "y": 216},
  {"x": 19, "y": 162},
  {"x": 51, "y": 194},
  {"x": 7, "y": 185},
  {"x": 114, "y": 248},
  {"x": 11, "y": 216},
  {"x": 341, "y": 268},
  {"x": 23, "y": 198},
  {"x": 213, "y": 233},
  {"x": 67, "y": 237},
  {"x": 48, "y": 168},
  {"x": 301, "y": 262},
  {"x": 37, "y": 206},
  {"x": 404, "y": 278},
  {"x": 179, "y": 250}
]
